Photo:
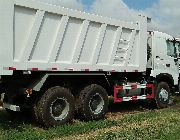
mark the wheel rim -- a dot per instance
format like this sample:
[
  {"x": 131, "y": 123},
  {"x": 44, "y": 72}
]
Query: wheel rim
[
  {"x": 59, "y": 109},
  {"x": 163, "y": 95},
  {"x": 96, "y": 104}
]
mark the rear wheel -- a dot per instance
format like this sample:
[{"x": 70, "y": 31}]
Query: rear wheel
[
  {"x": 56, "y": 107},
  {"x": 92, "y": 103}
]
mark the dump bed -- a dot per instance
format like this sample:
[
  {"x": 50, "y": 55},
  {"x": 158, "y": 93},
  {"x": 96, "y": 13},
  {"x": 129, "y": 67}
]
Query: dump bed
[{"x": 39, "y": 36}]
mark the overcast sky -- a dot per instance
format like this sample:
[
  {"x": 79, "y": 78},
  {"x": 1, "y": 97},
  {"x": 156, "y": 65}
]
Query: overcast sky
[{"x": 165, "y": 14}]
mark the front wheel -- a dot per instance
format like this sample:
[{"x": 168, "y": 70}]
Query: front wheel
[{"x": 162, "y": 95}]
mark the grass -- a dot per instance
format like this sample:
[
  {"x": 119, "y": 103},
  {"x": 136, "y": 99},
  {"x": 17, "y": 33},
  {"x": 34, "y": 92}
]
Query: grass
[
  {"x": 121, "y": 123},
  {"x": 162, "y": 126}
]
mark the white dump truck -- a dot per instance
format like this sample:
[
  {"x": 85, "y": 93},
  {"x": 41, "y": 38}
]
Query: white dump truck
[{"x": 59, "y": 62}]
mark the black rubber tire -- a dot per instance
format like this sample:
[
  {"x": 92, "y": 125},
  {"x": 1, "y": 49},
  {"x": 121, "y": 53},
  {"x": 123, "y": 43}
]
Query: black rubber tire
[
  {"x": 42, "y": 107},
  {"x": 35, "y": 111},
  {"x": 158, "y": 102},
  {"x": 83, "y": 100}
]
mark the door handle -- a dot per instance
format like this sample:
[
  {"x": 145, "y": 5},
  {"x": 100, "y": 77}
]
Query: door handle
[
  {"x": 158, "y": 57},
  {"x": 168, "y": 65}
]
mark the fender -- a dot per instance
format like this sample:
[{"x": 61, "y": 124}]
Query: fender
[
  {"x": 37, "y": 85},
  {"x": 166, "y": 78},
  {"x": 169, "y": 77}
]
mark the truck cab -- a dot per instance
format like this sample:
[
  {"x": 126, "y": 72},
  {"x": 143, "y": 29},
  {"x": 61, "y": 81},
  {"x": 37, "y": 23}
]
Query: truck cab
[{"x": 163, "y": 57}]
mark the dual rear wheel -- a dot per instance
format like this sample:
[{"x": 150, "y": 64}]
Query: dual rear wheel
[
  {"x": 92, "y": 103},
  {"x": 57, "y": 105}
]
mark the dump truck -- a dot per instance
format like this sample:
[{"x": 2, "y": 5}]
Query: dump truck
[{"x": 58, "y": 62}]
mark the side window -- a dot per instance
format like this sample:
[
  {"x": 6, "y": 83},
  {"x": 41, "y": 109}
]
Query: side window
[
  {"x": 170, "y": 49},
  {"x": 149, "y": 49},
  {"x": 179, "y": 48}
]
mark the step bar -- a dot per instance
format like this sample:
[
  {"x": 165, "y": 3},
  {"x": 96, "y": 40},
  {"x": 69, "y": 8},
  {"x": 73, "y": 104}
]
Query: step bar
[{"x": 11, "y": 107}]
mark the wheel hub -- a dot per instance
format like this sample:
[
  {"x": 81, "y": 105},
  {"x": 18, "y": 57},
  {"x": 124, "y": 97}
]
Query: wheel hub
[
  {"x": 96, "y": 104},
  {"x": 59, "y": 109},
  {"x": 164, "y": 95}
]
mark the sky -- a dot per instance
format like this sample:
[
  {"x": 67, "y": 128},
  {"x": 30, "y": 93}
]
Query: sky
[
  {"x": 87, "y": 2},
  {"x": 165, "y": 14},
  {"x": 139, "y": 4}
]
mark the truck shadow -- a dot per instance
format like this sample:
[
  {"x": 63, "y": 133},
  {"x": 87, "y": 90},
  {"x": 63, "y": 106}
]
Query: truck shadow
[
  {"x": 128, "y": 107},
  {"x": 9, "y": 121},
  {"x": 19, "y": 122},
  {"x": 137, "y": 106}
]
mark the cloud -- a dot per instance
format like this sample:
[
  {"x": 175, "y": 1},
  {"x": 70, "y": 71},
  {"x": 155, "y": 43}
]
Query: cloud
[
  {"x": 114, "y": 9},
  {"x": 165, "y": 14}
]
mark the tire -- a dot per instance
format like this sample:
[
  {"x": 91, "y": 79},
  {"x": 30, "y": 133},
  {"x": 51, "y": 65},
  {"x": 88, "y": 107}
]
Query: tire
[
  {"x": 55, "y": 107},
  {"x": 35, "y": 111},
  {"x": 162, "y": 95},
  {"x": 92, "y": 103}
]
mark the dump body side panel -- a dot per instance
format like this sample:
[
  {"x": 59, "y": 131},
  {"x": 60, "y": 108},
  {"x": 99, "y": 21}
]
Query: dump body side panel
[
  {"x": 6, "y": 35},
  {"x": 47, "y": 37}
]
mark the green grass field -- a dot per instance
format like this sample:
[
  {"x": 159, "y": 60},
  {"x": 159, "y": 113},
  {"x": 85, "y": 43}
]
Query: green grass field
[{"x": 124, "y": 121}]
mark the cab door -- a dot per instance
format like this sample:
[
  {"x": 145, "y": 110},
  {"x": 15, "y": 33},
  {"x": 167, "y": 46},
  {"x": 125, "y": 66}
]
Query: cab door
[
  {"x": 165, "y": 57},
  {"x": 172, "y": 55}
]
